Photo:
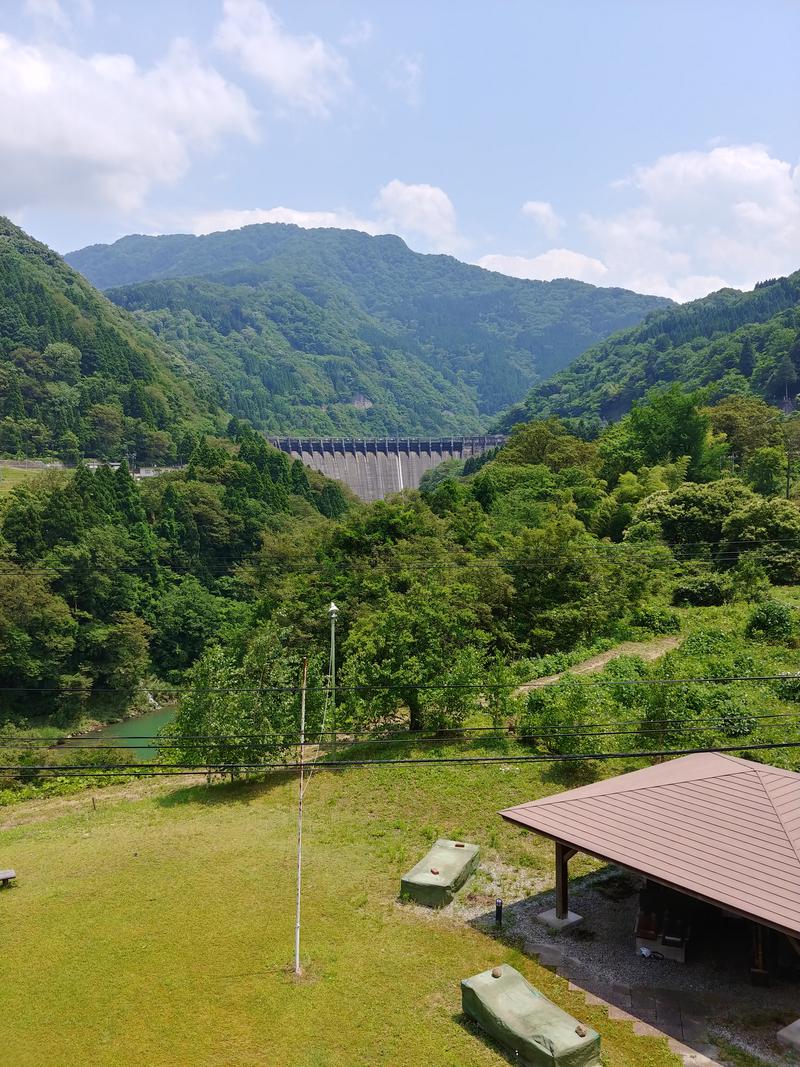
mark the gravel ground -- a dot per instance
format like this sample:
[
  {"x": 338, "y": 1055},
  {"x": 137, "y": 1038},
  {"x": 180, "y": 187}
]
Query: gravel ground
[{"x": 713, "y": 987}]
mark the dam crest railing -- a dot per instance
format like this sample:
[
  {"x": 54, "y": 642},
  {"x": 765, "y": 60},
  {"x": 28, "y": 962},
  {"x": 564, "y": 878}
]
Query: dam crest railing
[{"x": 465, "y": 446}]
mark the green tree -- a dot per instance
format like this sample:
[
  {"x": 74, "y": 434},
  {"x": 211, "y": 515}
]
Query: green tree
[
  {"x": 186, "y": 617},
  {"x": 242, "y": 707},
  {"x": 426, "y": 635},
  {"x": 765, "y": 471}
]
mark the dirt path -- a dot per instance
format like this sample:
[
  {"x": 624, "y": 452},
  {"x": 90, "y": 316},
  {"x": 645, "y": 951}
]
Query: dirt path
[{"x": 646, "y": 650}]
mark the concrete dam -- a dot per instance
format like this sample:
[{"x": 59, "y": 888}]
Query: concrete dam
[{"x": 376, "y": 467}]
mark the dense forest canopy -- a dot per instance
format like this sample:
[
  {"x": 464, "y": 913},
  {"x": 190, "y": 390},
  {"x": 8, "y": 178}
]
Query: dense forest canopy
[
  {"x": 105, "y": 579},
  {"x": 336, "y": 332},
  {"x": 730, "y": 342},
  {"x": 217, "y": 578},
  {"x": 79, "y": 376}
]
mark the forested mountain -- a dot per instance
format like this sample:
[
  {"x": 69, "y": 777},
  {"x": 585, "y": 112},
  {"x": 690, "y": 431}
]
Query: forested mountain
[
  {"x": 332, "y": 331},
  {"x": 730, "y": 341},
  {"x": 78, "y": 375}
]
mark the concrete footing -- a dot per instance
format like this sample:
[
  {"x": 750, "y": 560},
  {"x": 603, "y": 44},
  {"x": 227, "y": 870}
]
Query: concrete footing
[
  {"x": 551, "y": 920},
  {"x": 790, "y": 1035}
]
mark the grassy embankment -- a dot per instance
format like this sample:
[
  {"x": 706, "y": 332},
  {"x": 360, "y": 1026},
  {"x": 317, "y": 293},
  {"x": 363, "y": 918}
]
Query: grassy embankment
[
  {"x": 158, "y": 929},
  {"x": 11, "y": 477}
]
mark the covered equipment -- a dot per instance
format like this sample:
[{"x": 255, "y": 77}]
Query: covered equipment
[
  {"x": 437, "y": 878},
  {"x": 521, "y": 1019}
]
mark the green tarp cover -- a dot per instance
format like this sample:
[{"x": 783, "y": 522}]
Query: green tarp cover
[
  {"x": 454, "y": 862},
  {"x": 520, "y": 1018}
]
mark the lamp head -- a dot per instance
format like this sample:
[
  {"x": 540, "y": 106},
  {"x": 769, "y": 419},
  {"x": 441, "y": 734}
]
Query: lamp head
[{"x": 333, "y": 611}]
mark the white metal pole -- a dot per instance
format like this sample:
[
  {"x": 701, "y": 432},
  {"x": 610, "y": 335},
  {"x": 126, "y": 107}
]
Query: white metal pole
[
  {"x": 333, "y": 611},
  {"x": 297, "y": 968}
]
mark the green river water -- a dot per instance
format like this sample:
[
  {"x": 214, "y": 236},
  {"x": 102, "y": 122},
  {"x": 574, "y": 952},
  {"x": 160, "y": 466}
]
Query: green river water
[{"x": 133, "y": 733}]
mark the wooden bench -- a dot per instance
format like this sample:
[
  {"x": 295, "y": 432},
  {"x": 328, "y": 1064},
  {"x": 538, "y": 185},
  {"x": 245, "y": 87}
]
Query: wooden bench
[{"x": 6, "y": 877}]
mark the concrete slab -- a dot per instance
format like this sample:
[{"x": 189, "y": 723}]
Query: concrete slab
[
  {"x": 790, "y": 1035},
  {"x": 551, "y": 920}
]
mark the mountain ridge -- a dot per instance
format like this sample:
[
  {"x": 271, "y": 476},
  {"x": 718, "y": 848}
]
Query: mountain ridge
[
  {"x": 731, "y": 341},
  {"x": 334, "y": 331},
  {"x": 78, "y": 374}
]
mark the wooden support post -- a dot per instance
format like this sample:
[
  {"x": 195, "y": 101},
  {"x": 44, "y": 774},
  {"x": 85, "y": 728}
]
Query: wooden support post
[
  {"x": 759, "y": 972},
  {"x": 563, "y": 856}
]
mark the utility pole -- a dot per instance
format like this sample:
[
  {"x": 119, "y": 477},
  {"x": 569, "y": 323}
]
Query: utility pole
[
  {"x": 297, "y": 968},
  {"x": 333, "y": 612}
]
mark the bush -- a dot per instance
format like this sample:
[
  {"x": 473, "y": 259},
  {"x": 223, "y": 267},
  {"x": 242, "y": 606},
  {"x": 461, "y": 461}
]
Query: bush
[
  {"x": 770, "y": 621},
  {"x": 787, "y": 688},
  {"x": 704, "y": 641},
  {"x": 701, "y": 590},
  {"x": 656, "y": 620},
  {"x": 563, "y": 718},
  {"x": 749, "y": 579},
  {"x": 733, "y": 718}
]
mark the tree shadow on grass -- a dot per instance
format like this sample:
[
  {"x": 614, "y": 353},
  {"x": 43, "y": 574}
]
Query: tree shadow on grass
[
  {"x": 241, "y": 791},
  {"x": 430, "y": 746}
]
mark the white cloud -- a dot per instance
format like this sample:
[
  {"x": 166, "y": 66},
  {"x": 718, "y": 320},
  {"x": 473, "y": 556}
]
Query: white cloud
[
  {"x": 423, "y": 214},
  {"x": 544, "y": 215},
  {"x": 234, "y": 219},
  {"x": 301, "y": 71},
  {"x": 726, "y": 216},
  {"x": 100, "y": 132},
  {"x": 694, "y": 222},
  {"x": 404, "y": 76},
  {"x": 420, "y": 210},
  {"x": 556, "y": 263}
]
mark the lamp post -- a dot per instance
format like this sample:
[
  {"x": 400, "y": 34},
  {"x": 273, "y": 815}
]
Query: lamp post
[
  {"x": 333, "y": 612},
  {"x": 298, "y": 970}
]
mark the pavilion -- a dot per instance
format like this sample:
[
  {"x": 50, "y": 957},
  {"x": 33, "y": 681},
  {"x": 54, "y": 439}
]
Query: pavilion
[{"x": 713, "y": 827}]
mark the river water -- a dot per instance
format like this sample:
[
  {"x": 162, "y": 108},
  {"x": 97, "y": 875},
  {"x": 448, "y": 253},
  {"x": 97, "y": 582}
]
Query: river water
[{"x": 134, "y": 733}]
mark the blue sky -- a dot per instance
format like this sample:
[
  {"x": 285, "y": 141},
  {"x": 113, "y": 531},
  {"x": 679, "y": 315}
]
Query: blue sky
[{"x": 648, "y": 144}]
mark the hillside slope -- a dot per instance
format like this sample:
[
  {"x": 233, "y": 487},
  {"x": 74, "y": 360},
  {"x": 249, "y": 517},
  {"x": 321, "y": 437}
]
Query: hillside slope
[
  {"x": 732, "y": 341},
  {"x": 77, "y": 374},
  {"x": 334, "y": 331}
]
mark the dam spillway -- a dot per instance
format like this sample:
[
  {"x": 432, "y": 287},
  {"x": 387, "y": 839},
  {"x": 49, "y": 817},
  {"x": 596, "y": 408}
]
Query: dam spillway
[{"x": 377, "y": 467}]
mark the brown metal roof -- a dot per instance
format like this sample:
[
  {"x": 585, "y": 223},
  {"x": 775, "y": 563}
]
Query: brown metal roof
[{"x": 717, "y": 827}]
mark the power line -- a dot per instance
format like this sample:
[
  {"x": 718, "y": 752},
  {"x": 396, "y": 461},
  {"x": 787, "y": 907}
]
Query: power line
[
  {"x": 417, "y": 686},
  {"x": 227, "y": 768},
  {"x": 694, "y": 724}
]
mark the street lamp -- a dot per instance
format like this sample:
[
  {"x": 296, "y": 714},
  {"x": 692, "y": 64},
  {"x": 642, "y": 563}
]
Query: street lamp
[{"x": 333, "y": 613}]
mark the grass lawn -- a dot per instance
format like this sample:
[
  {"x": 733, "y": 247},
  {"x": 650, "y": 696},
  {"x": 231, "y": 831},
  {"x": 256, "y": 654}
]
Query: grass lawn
[
  {"x": 158, "y": 929},
  {"x": 11, "y": 477}
]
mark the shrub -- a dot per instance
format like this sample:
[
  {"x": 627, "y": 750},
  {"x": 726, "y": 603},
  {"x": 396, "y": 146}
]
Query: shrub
[
  {"x": 749, "y": 579},
  {"x": 656, "y": 620},
  {"x": 704, "y": 641},
  {"x": 733, "y": 717},
  {"x": 563, "y": 718},
  {"x": 787, "y": 688},
  {"x": 701, "y": 590},
  {"x": 770, "y": 621}
]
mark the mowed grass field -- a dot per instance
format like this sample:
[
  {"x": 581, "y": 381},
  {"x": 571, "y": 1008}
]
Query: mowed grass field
[
  {"x": 11, "y": 477},
  {"x": 158, "y": 929}
]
